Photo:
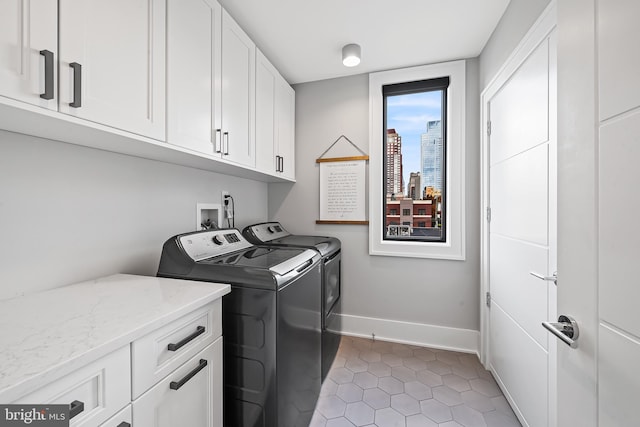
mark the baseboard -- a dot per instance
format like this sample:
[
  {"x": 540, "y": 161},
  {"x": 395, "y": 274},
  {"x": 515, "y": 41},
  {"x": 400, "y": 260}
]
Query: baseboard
[{"x": 441, "y": 337}]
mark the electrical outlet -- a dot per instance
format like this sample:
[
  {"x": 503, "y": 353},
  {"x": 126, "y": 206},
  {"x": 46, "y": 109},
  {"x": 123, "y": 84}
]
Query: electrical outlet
[
  {"x": 226, "y": 205},
  {"x": 222, "y": 197}
]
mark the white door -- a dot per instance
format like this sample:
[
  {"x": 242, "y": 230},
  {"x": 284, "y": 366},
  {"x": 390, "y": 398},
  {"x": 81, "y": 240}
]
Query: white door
[
  {"x": 522, "y": 181},
  {"x": 238, "y": 93},
  {"x": 29, "y": 51},
  {"x": 112, "y": 63},
  {"x": 598, "y": 176},
  {"x": 618, "y": 207},
  {"x": 193, "y": 74}
]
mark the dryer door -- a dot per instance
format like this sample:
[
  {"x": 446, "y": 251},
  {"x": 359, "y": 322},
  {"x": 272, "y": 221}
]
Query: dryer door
[{"x": 331, "y": 283}]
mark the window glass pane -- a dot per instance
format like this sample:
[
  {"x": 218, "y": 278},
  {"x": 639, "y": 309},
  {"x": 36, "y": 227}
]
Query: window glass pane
[{"x": 415, "y": 153}]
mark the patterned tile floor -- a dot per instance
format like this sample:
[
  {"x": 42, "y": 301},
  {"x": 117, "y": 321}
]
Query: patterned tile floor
[{"x": 382, "y": 384}]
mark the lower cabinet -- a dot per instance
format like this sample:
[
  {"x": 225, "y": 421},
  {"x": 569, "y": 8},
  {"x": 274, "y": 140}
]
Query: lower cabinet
[
  {"x": 171, "y": 376},
  {"x": 121, "y": 419},
  {"x": 189, "y": 396}
]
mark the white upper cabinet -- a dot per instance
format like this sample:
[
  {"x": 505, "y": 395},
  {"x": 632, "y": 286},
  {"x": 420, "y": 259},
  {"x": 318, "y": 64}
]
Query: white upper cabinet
[
  {"x": 285, "y": 119},
  {"x": 275, "y": 115},
  {"x": 193, "y": 74},
  {"x": 112, "y": 63},
  {"x": 211, "y": 82},
  {"x": 238, "y": 94},
  {"x": 266, "y": 76},
  {"x": 169, "y": 80},
  {"x": 28, "y": 51}
]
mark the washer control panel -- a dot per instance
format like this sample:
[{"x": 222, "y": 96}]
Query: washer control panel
[{"x": 210, "y": 243}]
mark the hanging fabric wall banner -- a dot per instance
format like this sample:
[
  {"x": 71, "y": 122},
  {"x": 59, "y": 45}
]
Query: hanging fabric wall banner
[{"x": 342, "y": 189}]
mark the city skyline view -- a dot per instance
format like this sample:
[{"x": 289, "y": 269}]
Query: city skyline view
[
  {"x": 409, "y": 115},
  {"x": 414, "y": 170}
]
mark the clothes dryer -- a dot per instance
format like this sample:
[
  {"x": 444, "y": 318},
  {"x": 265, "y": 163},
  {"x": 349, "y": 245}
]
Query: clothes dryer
[{"x": 274, "y": 234}]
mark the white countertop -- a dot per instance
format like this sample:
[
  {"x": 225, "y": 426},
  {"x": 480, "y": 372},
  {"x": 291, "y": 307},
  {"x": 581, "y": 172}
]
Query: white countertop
[{"x": 46, "y": 335}]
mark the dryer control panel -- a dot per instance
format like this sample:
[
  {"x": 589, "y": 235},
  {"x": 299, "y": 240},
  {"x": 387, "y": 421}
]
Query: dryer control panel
[
  {"x": 206, "y": 244},
  {"x": 268, "y": 231}
]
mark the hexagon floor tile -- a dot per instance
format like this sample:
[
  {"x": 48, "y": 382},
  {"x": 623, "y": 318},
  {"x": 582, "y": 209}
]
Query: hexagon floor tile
[{"x": 380, "y": 384}]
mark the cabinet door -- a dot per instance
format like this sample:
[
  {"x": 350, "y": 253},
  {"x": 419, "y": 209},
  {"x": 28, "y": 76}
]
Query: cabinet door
[
  {"x": 266, "y": 76},
  {"x": 101, "y": 389},
  {"x": 238, "y": 93},
  {"x": 193, "y": 73},
  {"x": 120, "y": 46},
  {"x": 285, "y": 115},
  {"x": 196, "y": 403},
  {"x": 121, "y": 419},
  {"x": 26, "y": 28}
]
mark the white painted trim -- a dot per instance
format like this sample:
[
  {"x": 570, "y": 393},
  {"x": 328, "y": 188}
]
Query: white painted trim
[
  {"x": 421, "y": 334},
  {"x": 454, "y": 248},
  {"x": 539, "y": 31}
]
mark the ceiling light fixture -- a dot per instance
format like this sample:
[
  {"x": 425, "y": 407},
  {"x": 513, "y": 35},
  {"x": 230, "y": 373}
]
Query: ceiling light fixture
[{"x": 351, "y": 55}]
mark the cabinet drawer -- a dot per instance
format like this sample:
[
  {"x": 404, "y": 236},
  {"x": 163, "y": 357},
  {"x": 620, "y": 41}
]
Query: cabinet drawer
[
  {"x": 103, "y": 387},
  {"x": 121, "y": 419},
  {"x": 190, "y": 396},
  {"x": 151, "y": 357}
]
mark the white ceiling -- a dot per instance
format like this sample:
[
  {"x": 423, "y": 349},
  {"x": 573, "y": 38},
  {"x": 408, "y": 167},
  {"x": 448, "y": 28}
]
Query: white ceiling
[{"x": 304, "y": 38}]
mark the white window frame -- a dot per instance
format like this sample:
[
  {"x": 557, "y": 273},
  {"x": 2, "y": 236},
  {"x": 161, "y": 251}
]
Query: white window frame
[{"x": 454, "y": 247}]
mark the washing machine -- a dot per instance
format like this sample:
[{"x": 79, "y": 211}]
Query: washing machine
[
  {"x": 271, "y": 322},
  {"x": 329, "y": 248}
]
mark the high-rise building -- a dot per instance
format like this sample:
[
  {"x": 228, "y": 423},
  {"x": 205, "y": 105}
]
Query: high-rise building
[
  {"x": 431, "y": 155},
  {"x": 394, "y": 163},
  {"x": 414, "y": 186}
]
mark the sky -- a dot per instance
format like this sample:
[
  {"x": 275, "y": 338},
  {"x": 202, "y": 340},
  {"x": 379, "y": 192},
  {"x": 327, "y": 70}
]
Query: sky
[{"x": 408, "y": 115}]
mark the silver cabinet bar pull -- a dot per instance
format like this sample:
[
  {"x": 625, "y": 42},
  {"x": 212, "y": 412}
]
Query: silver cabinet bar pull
[
  {"x": 566, "y": 328},
  {"x": 215, "y": 141},
  {"x": 225, "y": 142},
  {"x": 553, "y": 278}
]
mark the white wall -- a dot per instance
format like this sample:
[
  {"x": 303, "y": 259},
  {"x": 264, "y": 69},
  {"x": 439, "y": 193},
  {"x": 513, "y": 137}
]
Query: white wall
[
  {"x": 424, "y": 291},
  {"x": 70, "y": 213},
  {"x": 514, "y": 24}
]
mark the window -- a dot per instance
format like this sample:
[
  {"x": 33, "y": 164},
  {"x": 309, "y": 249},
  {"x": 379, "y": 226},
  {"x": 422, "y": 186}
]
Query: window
[
  {"x": 414, "y": 116},
  {"x": 424, "y": 168},
  {"x": 393, "y": 212}
]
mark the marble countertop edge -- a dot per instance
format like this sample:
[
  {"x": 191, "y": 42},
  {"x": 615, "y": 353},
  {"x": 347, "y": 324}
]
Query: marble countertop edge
[{"x": 34, "y": 381}]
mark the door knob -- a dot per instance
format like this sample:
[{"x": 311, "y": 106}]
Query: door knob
[
  {"x": 566, "y": 328},
  {"x": 553, "y": 278}
]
